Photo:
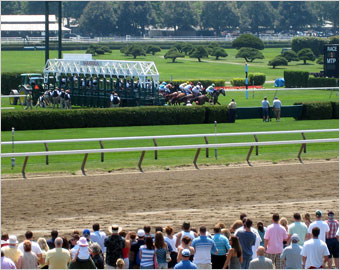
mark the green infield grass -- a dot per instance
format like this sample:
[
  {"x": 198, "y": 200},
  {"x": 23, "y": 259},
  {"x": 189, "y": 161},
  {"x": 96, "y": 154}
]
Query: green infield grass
[
  {"x": 184, "y": 68},
  {"x": 169, "y": 159}
]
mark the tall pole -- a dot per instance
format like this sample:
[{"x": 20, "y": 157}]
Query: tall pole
[
  {"x": 246, "y": 69},
  {"x": 47, "y": 34},
  {"x": 59, "y": 30}
]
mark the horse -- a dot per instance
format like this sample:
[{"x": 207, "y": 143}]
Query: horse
[
  {"x": 200, "y": 100},
  {"x": 215, "y": 96}
]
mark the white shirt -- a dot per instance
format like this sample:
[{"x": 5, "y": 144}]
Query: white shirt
[
  {"x": 172, "y": 242},
  {"x": 35, "y": 247},
  {"x": 99, "y": 237},
  {"x": 323, "y": 226},
  {"x": 277, "y": 104},
  {"x": 257, "y": 241},
  {"x": 314, "y": 250},
  {"x": 265, "y": 104}
]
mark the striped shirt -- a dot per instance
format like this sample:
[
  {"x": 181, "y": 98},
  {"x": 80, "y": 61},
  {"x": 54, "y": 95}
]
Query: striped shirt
[
  {"x": 203, "y": 246},
  {"x": 333, "y": 227},
  {"x": 222, "y": 243},
  {"x": 146, "y": 256}
]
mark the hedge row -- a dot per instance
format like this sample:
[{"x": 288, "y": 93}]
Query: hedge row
[
  {"x": 302, "y": 79},
  {"x": 254, "y": 79},
  {"x": 9, "y": 81},
  {"x": 144, "y": 116},
  {"x": 322, "y": 82},
  {"x": 319, "y": 110}
]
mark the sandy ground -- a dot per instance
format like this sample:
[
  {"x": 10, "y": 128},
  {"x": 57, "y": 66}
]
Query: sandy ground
[{"x": 133, "y": 199}]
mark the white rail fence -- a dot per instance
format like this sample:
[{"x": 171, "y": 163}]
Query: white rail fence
[{"x": 156, "y": 148}]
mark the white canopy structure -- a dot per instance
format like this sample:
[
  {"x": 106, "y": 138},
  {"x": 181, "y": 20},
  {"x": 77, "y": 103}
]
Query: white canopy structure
[{"x": 142, "y": 70}]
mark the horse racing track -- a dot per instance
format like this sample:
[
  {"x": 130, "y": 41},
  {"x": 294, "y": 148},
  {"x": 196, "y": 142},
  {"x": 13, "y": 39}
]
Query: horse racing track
[{"x": 203, "y": 197}]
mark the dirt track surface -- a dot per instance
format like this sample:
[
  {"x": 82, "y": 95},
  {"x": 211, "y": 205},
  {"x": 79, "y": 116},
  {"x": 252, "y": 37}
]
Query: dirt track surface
[{"x": 133, "y": 200}]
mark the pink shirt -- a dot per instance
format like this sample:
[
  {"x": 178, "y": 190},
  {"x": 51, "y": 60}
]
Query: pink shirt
[
  {"x": 7, "y": 263},
  {"x": 275, "y": 234}
]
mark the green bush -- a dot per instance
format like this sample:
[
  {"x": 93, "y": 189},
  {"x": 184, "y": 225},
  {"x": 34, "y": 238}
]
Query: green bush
[
  {"x": 238, "y": 82},
  {"x": 205, "y": 82},
  {"x": 316, "y": 110},
  {"x": 296, "y": 78},
  {"x": 9, "y": 81},
  {"x": 248, "y": 40},
  {"x": 322, "y": 82},
  {"x": 314, "y": 43},
  {"x": 257, "y": 78},
  {"x": 278, "y": 61},
  {"x": 216, "y": 113},
  {"x": 306, "y": 54},
  {"x": 335, "y": 109}
]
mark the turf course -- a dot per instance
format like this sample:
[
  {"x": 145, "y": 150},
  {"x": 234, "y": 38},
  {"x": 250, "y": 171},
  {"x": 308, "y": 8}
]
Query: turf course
[{"x": 72, "y": 163}]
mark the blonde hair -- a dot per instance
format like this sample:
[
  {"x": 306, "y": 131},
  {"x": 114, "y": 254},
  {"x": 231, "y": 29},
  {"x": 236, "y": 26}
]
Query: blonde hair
[
  {"x": 120, "y": 263},
  {"x": 43, "y": 244},
  {"x": 284, "y": 222},
  {"x": 237, "y": 224}
]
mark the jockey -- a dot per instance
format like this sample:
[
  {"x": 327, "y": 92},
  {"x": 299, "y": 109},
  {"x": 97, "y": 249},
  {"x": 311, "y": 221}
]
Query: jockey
[
  {"x": 188, "y": 89},
  {"x": 210, "y": 90},
  {"x": 182, "y": 86},
  {"x": 196, "y": 90}
]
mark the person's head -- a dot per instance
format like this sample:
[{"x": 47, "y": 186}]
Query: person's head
[
  {"x": 275, "y": 97},
  {"x": 315, "y": 232},
  {"x": 96, "y": 227},
  {"x": 276, "y": 217},
  {"x": 307, "y": 217},
  {"x": 203, "y": 230},
  {"x": 260, "y": 226},
  {"x": 186, "y": 240},
  {"x": 283, "y": 222},
  {"x": 237, "y": 224},
  {"x": 54, "y": 234},
  {"x": 221, "y": 225},
  {"x": 65, "y": 245},
  {"x": 169, "y": 230},
  {"x": 147, "y": 229},
  {"x": 248, "y": 223},
  {"x": 149, "y": 242},
  {"x": 2, "y": 254},
  {"x": 318, "y": 214},
  {"x": 217, "y": 229},
  {"x": 141, "y": 234},
  {"x": 297, "y": 217},
  {"x": 95, "y": 248},
  {"x": 58, "y": 242},
  {"x": 233, "y": 100},
  {"x": 120, "y": 263},
  {"x": 27, "y": 246},
  {"x": 330, "y": 215},
  {"x": 86, "y": 233},
  {"x": 43, "y": 244},
  {"x": 186, "y": 226},
  {"x": 114, "y": 229},
  {"x": 159, "y": 240},
  {"x": 74, "y": 239},
  {"x": 242, "y": 216},
  {"x": 235, "y": 244},
  {"x": 295, "y": 238},
  {"x": 133, "y": 236},
  {"x": 260, "y": 251},
  {"x": 265, "y": 98},
  {"x": 226, "y": 232},
  {"x": 12, "y": 240},
  {"x": 158, "y": 229},
  {"x": 185, "y": 254},
  {"x": 4, "y": 236},
  {"x": 28, "y": 235}
]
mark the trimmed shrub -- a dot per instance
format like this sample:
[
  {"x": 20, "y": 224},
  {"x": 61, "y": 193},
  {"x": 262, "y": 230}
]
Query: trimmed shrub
[
  {"x": 322, "y": 82},
  {"x": 9, "y": 81},
  {"x": 204, "y": 82},
  {"x": 335, "y": 108},
  {"x": 278, "y": 61},
  {"x": 248, "y": 40},
  {"x": 296, "y": 78},
  {"x": 249, "y": 54},
  {"x": 238, "y": 82},
  {"x": 306, "y": 54},
  {"x": 316, "y": 110},
  {"x": 173, "y": 54},
  {"x": 216, "y": 113},
  {"x": 290, "y": 55},
  {"x": 257, "y": 78},
  {"x": 314, "y": 43}
]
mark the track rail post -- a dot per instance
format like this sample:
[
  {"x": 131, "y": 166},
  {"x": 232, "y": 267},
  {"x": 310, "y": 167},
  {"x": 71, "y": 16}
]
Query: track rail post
[
  {"x": 24, "y": 167},
  {"x": 196, "y": 157},
  {"x": 46, "y": 148},
  {"x": 305, "y": 146},
  {"x": 257, "y": 147},
  {"x": 83, "y": 164},
  {"x": 206, "y": 149},
  {"x": 140, "y": 161},
  {"x": 249, "y": 154},
  {"x": 101, "y": 154},
  {"x": 156, "y": 152},
  {"x": 300, "y": 152}
]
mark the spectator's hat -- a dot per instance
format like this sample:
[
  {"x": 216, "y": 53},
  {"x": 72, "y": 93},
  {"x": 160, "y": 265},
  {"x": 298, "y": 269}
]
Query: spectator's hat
[
  {"x": 12, "y": 240},
  {"x": 140, "y": 233},
  {"x": 82, "y": 242},
  {"x": 114, "y": 228},
  {"x": 275, "y": 97},
  {"x": 318, "y": 213},
  {"x": 213, "y": 84},
  {"x": 331, "y": 213},
  {"x": 186, "y": 252},
  {"x": 68, "y": 91},
  {"x": 86, "y": 232},
  {"x": 295, "y": 238}
]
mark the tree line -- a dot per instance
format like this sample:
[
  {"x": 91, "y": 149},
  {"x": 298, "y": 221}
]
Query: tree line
[{"x": 206, "y": 18}]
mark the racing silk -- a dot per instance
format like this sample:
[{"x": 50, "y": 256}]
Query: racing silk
[
  {"x": 210, "y": 89},
  {"x": 188, "y": 89},
  {"x": 197, "y": 90},
  {"x": 182, "y": 86}
]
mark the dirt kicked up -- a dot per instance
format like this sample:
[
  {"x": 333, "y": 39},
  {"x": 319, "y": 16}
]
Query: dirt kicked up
[{"x": 202, "y": 197}]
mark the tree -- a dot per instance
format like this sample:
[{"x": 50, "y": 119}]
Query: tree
[
  {"x": 73, "y": 9},
  {"x": 306, "y": 54},
  {"x": 290, "y": 55},
  {"x": 152, "y": 49},
  {"x": 249, "y": 54},
  {"x": 320, "y": 60},
  {"x": 219, "y": 15},
  {"x": 218, "y": 52},
  {"x": 135, "y": 50},
  {"x": 98, "y": 19},
  {"x": 187, "y": 48},
  {"x": 173, "y": 54},
  {"x": 248, "y": 40},
  {"x": 11, "y": 8},
  {"x": 199, "y": 52},
  {"x": 278, "y": 61}
]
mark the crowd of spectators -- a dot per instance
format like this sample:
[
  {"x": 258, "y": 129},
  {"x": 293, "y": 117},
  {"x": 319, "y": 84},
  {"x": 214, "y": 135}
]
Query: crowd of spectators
[{"x": 298, "y": 245}]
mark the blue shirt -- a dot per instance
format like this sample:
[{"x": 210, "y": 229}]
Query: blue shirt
[
  {"x": 185, "y": 265},
  {"x": 292, "y": 256},
  {"x": 222, "y": 243},
  {"x": 146, "y": 256},
  {"x": 203, "y": 246},
  {"x": 247, "y": 240}
]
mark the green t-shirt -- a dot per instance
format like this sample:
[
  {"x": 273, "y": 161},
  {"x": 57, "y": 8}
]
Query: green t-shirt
[{"x": 300, "y": 229}]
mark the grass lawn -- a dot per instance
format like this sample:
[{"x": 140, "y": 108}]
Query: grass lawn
[
  {"x": 72, "y": 163},
  {"x": 184, "y": 68}
]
